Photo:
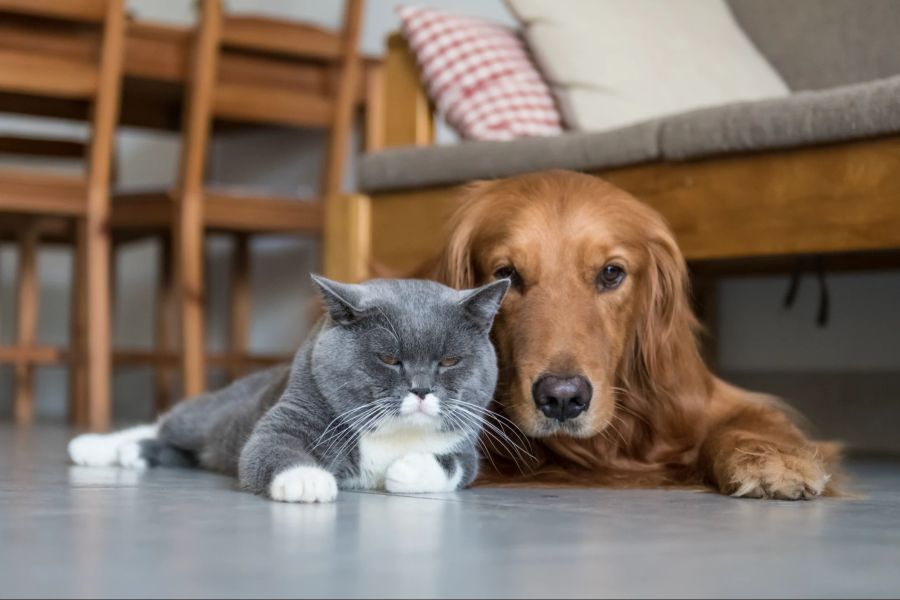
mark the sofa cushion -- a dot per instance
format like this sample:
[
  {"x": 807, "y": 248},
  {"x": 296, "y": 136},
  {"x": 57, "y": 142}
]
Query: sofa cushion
[
  {"x": 413, "y": 167},
  {"x": 614, "y": 63},
  {"x": 480, "y": 75},
  {"x": 817, "y": 44},
  {"x": 846, "y": 113},
  {"x": 814, "y": 117}
]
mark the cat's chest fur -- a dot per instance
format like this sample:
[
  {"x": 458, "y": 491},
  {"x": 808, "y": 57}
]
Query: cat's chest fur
[{"x": 378, "y": 451}]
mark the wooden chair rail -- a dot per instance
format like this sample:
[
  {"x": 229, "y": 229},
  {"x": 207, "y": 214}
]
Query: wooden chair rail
[
  {"x": 25, "y": 72},
  {"x": 262, "y": 34},
  {"x": 29, "y": 192},
  {"x": 272, "y": 104},
  {"x": 76, "y": 10}
]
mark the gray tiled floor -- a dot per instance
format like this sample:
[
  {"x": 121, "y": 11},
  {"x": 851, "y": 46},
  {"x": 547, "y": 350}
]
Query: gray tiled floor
[{"x": 71, "y": 531}]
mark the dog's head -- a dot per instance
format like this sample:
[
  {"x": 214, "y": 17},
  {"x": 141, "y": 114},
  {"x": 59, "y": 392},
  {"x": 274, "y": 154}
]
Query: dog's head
[{"x": 598, "y": 301}]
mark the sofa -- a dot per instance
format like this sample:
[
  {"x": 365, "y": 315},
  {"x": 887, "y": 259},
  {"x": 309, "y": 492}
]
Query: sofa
[{"x": 748, "y": 186}]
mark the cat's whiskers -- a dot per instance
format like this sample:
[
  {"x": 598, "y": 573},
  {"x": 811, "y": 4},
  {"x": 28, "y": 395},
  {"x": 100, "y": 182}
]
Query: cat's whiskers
[
  {"x": 371, "y": 424},
  {"x": 334, "y": 422},
  {"x": 520, "y": 435},
  {"x": 352, "y": 425},
  {"x": 493, "y": 432},
  {"x": 489, "y": 450},
  {"x": 458, "y": 422}
]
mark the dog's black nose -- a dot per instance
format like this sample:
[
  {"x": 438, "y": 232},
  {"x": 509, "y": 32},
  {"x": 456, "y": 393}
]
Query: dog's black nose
[
  {"x": 561, "y": 398},
  {"x": 421, "y": 392}
]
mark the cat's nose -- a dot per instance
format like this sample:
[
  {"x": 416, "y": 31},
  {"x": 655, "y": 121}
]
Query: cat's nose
[
  {"x": 561, "y": 398},
  {"x": 420, "y": 392}
]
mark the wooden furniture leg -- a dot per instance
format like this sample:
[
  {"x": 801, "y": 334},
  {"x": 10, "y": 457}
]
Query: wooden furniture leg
[
  {"x": 105, "y": 118},
  {"x": 347, "y": 240},
  {"x": 28, "y": 298},
  {"x": 189, "y": 229},
  {"x": 164, "y": 307},
  {"x": 78, "y": 330},
  {"x": 240, "y": 307}
]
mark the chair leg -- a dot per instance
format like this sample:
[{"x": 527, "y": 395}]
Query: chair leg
[
  {"x": 99, "y": 368},
  {"x": 240, "y": 307},
  {"x": 77, "y": 330},
  {"x": 28, "y": 298},
  {"x": 191, "y": 297},
  {"x": 165, "y": 298}
]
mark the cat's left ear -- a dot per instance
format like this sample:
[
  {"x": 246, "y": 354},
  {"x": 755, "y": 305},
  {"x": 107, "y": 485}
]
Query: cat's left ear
[
  {"x": 342, "y": 300},
  {"x": 481, "y": 304}
]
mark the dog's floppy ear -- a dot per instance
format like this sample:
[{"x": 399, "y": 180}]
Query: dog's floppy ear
[
  {"x": 666, "y": 336},
  {"x": 455, "y": 265}
]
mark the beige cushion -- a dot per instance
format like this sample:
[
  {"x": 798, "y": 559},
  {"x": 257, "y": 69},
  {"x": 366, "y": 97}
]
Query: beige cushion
[{"x": 617, "y": 62}]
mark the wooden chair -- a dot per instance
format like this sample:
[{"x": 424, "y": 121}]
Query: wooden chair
[
  {"x": 192, "y": 209},
  {"x": 63, "y": 50}
]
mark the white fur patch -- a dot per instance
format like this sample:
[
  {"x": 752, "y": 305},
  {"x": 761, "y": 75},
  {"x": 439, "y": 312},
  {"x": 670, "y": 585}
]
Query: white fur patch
[
  {"x": 381, "y": 449},
  {"x": 304, "y": 484},
  {"x": 419, "y": 473},
  {"x": 103, "y": 449},
  {"x": 430, "y": 405},
  {"x": 130, "y": 456}
]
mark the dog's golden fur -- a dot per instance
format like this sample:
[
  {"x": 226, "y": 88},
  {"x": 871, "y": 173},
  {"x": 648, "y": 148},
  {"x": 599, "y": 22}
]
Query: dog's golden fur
[{"x": 657, "y": 415}]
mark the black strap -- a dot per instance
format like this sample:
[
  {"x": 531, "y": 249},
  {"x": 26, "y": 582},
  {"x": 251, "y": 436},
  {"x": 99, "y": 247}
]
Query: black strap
[
  {"x": 823, "y": 314},
  {"x": 824, "y": 311},
  {"x": 794, "y": 285}
]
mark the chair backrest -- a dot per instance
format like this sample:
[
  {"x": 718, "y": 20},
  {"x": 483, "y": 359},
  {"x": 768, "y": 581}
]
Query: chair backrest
[
  {"x": 261, "y": 70},
  {"x": 51, "y": 48},
  {"x": 69, "y": 49},
  {"x": 817, "y": 44}
]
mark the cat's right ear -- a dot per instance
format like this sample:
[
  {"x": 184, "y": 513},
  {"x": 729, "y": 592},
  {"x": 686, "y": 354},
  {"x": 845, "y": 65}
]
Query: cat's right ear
[
  {"x": 481, "y": 304},
  {"x": 342, "y": 300}
]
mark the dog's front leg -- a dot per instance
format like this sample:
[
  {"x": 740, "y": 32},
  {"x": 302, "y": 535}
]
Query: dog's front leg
[{"x": 755, "y": 451}]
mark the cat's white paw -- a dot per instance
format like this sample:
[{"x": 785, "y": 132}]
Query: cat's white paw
[
  {"x": 304, "y": 484},
  {"x": 103, "y": 449},
  {"x": 130, "y": 456},
  {"x": 94, "y": 450},
  {"x": 417, "y": 473}
]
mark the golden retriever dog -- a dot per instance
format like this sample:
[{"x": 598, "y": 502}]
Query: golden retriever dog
[{"x": 598, "y": 349}]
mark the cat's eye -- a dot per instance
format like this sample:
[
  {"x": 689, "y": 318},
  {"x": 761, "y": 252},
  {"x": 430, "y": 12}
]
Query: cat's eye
[
  {"x": 610, "y": 277},
  {"x": 389, "y": 360},
  {"x": 509, "y": 272},
  {"x": 449, "y": 361}
]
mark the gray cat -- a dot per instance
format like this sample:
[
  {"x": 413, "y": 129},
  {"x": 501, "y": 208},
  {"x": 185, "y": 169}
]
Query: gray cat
[{"x": 388, "y": 392}]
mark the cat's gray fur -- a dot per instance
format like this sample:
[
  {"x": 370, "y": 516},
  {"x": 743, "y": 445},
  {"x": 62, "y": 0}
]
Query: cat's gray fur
[{"x": 304, "y": 414}]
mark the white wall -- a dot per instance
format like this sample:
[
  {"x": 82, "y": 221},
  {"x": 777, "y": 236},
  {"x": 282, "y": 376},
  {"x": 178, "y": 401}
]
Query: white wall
[{"x": 756, "y": 334}]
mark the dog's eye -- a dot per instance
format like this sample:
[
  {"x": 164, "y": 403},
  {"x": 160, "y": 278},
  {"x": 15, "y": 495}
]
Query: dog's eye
[
  {"x": 509, "y": 272},
  {"x": 610, "y": 277},
  {"x": 449, "y": 361},
  {"x": 389, "y": 360}
]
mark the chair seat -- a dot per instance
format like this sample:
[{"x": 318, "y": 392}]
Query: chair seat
[{"x": 224, "y": 210}]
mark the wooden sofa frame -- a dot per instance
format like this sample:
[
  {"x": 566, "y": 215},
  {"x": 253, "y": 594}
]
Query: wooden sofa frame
[{"x": 731, "y": 214}]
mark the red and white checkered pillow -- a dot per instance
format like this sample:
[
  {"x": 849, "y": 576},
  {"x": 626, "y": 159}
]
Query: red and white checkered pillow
[{"x": 479, "y": 76}]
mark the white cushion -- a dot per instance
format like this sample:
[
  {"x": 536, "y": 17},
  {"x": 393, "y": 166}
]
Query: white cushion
[{"x": 617, "y": 62}]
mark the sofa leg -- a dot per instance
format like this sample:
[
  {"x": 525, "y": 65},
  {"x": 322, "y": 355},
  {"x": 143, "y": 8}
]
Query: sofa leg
[{"x": 347, "y": 240}]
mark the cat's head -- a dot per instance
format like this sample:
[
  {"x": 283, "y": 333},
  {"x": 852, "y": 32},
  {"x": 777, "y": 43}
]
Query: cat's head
[{"x": 407, "y": 354}]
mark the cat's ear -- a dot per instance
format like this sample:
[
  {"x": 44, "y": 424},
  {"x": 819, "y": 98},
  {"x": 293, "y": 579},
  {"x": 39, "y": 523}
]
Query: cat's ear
[
  {"x": 481, "y": 304},
  {"x": 342, "y": 300}
]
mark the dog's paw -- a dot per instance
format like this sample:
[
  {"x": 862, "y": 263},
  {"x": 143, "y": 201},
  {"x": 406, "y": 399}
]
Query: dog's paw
[
  {"x": 417, "y": 473},
  {"x": 94, "y": 450},
  {"x": 304, "y": 484},
  {"x": 760, "y": 470}
]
